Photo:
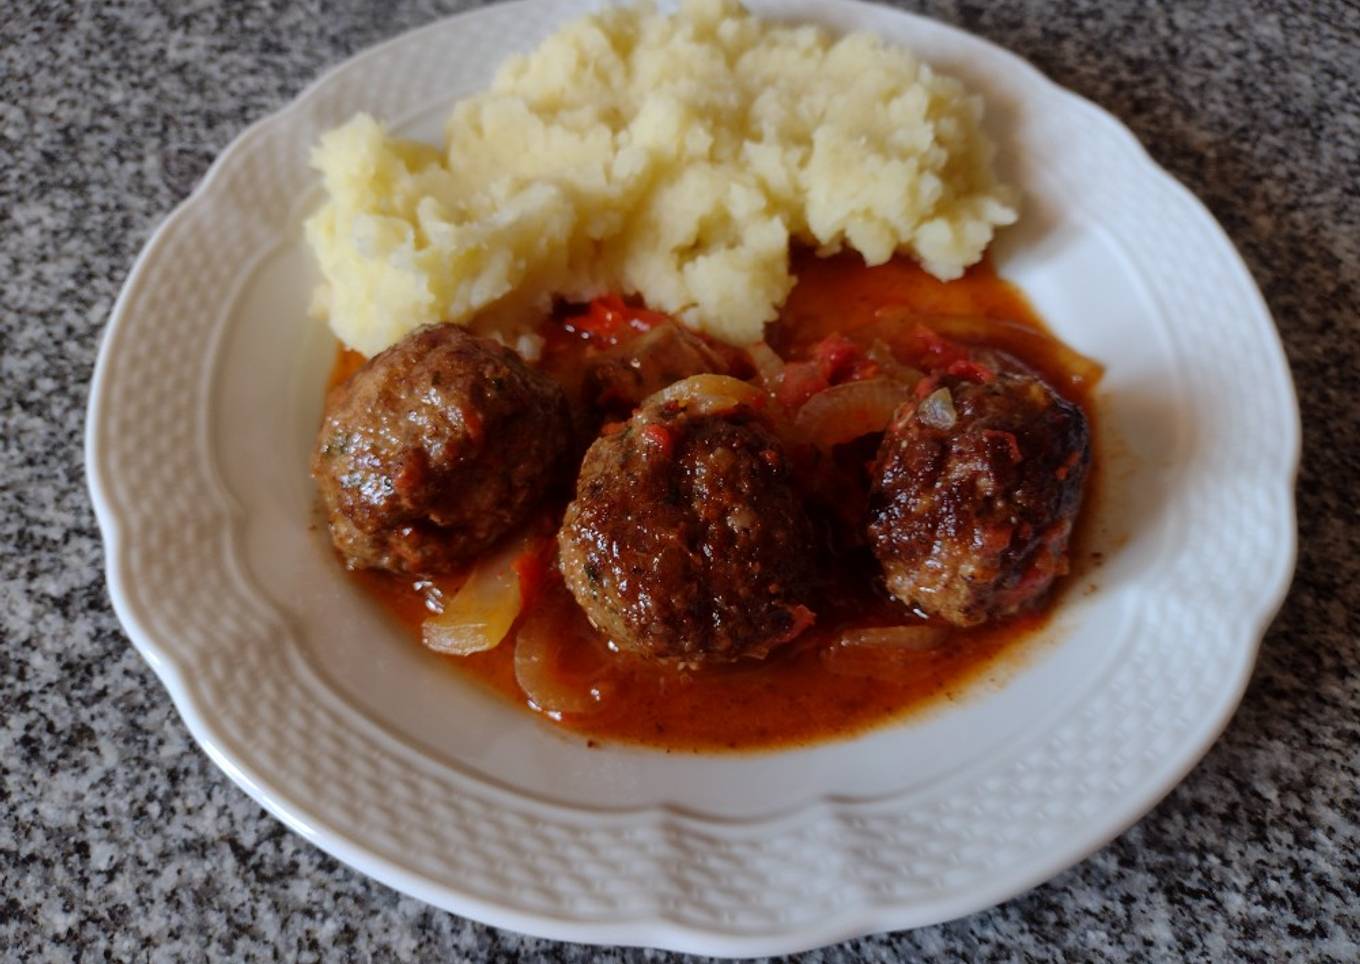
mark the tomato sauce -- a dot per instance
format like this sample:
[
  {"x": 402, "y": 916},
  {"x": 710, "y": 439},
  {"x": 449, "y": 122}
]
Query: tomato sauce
[{"x": 798, "y": 695}]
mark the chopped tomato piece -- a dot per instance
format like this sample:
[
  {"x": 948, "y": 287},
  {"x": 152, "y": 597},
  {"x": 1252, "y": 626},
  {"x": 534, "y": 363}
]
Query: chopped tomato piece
[
  {"x": 531, "y": 567},
  {"x": 835, "y": 355},
  {"x": 800, "y": 382},
  {"x": 659, "y": 436},
  {"x": 971, "y": 370},
  {"x": 611, "y": 319},
  {"x": 833, "y": 361},
  {"x": 934, "y": 351},
  {"x": 841, "y": 360}
]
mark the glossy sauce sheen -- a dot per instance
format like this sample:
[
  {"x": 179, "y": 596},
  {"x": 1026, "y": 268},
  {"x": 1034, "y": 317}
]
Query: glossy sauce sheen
[{"x": 791, "y": 698}]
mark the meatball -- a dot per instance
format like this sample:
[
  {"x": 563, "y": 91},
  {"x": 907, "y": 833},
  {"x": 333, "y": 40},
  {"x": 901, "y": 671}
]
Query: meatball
[
  {"x": 436, "y": 448},
  {"x": 621, "y": 378},
  {"x": 686, "y": 540},
  {"x": 975, "y": 489}
]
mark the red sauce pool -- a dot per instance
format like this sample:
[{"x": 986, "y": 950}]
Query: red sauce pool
[{"x": 791, "y": 698}]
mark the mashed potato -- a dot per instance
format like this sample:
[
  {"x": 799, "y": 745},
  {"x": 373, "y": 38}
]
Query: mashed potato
[{"x": 673, "y": 157}]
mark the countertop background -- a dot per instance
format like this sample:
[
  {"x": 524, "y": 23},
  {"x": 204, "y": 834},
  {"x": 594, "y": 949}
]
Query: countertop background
[{"x": 118, "y": 838}]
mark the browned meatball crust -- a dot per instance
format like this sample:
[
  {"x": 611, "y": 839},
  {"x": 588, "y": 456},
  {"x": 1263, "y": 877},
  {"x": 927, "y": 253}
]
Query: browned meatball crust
[
  {"x": 975, "y": 490},
  {"x": 434, "y": 449},
  {"x": 686, "y": 540},
  {"x": 620, "y": 379}
]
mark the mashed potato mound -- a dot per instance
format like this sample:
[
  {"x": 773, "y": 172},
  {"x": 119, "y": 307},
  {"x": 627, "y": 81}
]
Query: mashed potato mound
[{"x": 673, "y": 157}]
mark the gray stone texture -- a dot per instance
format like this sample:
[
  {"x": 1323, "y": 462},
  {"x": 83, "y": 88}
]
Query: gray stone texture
[{"x": 119, "y": 839}]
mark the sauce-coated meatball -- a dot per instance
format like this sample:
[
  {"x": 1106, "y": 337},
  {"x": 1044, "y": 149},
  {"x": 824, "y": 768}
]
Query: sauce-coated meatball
[
  {"x": 434, "y": 449},
  {"x": 975, "y": 490},
  {"x": 623, "y": 377},
  {"x": 686, "y": 540}
]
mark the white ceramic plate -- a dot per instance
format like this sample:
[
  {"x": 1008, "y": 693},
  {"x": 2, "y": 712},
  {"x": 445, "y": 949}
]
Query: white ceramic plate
[{"x": 205, "y": 401}]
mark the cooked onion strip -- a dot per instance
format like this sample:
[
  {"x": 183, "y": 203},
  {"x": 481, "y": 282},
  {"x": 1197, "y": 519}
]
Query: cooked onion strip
[
  {"x": 881, "y": 652},
  {"x": 881, "y": 355},
  {"x": 973, "y": 329},
  {"x": 558, "y": 675},
  {"x": 711, "y": 394},
  {"x": 845, "y": 412},
  {"x": 916, "y": 639},
  {"x": 479, "y": 615},
  {"x": 769, "y": 366}
]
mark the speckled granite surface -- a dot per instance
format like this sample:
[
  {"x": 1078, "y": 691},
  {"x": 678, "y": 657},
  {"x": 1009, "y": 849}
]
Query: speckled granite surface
[{"x": 118, "y": 838}]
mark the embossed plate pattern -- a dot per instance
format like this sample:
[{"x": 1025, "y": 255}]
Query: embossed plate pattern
[{"x": 208, "y": 390}]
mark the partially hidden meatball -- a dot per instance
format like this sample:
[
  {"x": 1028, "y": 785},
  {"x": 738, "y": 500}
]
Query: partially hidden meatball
[
  {"x": 686, "y": 540},
  {"x": 622, "y": 377},
  {"x": 436, "y": 448},
  {"x": 975, "y": 490}
]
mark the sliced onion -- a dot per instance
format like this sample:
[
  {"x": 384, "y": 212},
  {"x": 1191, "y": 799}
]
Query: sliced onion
[
  {"x": 845, "y": 412},
  {"x": 937, "y": 410},
  {"x": 629, "y": 372},
  {"x": 914, "y": 639},
  {"x": 881, "y": 652},
  {"x": 558, "y": 675},
  {"x": 769, "y": 366},
  {"x": 881, "y": 355},
  {"x": 975, "y": 329},
  {"x": 711, "y": 394},
  {"x": 479, "y": 615}
]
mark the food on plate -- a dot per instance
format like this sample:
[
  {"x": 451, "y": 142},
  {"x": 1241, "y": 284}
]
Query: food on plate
[
  {"x": 669, "y": 157},
  {"x": 622, "y": 377},
  {"x": 976, "y": 488},
  {"x": 435, "y": 449},
  {"x": 479, "y": 614},
  {"x": 677, "y": 401},
  {"x": 687, "y": 539},
  {"x": 828, "y": 529}
]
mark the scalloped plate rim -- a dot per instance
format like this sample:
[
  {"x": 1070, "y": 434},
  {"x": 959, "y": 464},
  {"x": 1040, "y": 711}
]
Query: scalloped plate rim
[{"x": 661, "y": 930}]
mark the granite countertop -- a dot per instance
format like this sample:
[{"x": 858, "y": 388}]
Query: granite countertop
[{"x": 120, "y": 839}]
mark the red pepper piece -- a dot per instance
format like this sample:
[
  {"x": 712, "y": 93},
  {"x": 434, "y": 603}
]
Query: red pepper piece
[{"x": 611, "y": 319}]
